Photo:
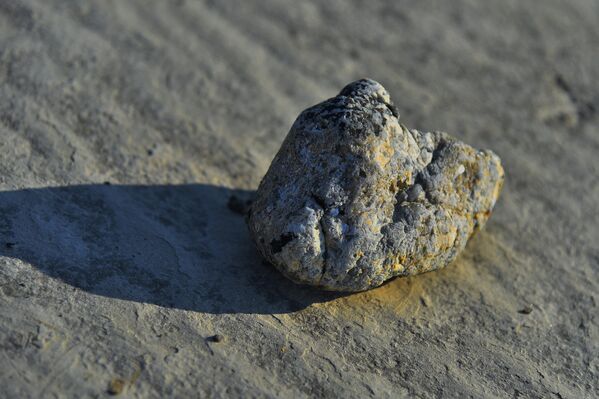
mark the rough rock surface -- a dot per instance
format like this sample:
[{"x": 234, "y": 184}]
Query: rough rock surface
[{"x": 354, "y": 198}]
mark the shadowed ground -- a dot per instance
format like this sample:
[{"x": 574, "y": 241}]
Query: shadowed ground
[{"x": 173, "y": 246}]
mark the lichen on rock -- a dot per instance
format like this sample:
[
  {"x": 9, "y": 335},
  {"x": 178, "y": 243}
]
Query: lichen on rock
[{"x": 354, "y": 198}]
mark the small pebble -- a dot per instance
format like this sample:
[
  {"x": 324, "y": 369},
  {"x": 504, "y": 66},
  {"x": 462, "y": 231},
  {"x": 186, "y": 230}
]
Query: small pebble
[
  {"x": 216, "y": 338},
  {"x": 116, "y": 386},
  {"x": 239, "y": 205},
  {"x": 526, "y": 310}
]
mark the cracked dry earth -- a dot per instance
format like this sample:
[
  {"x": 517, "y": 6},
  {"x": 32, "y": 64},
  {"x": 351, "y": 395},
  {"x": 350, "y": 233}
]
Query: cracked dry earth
[
  {"x": 353, "y": 198},
  {"x": 128, "y": 127}
]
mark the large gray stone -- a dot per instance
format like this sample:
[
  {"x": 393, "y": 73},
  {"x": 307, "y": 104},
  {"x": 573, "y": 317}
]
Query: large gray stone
[{"x": 354, "y": 198}]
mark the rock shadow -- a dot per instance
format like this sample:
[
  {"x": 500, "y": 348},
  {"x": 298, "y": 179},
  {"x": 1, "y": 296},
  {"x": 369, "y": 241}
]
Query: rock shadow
[{"x": 177, "y": 246}]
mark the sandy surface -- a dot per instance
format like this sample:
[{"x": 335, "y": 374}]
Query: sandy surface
[{"x": 181, "y": 104}]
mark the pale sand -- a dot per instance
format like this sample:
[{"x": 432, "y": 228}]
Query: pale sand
[{"x": 182, "y": 104}]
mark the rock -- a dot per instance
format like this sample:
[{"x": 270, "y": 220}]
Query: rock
[
  {"x": 353, "y": 198},
  {"x": 239, "y": 205},
  {"x": 216, "y": 338},
  {"x": 526, "y": 310},
  {"x": 116, "y": 386}
]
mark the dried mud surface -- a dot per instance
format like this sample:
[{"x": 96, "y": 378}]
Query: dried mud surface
[{"x": 132, "y": 134}]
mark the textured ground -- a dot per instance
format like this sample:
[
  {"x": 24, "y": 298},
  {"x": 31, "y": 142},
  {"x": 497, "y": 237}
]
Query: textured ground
[{"x": 180, "y": 105}]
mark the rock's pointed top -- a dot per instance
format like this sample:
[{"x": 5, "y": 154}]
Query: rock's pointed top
[{"x": 366, "y": 88}]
